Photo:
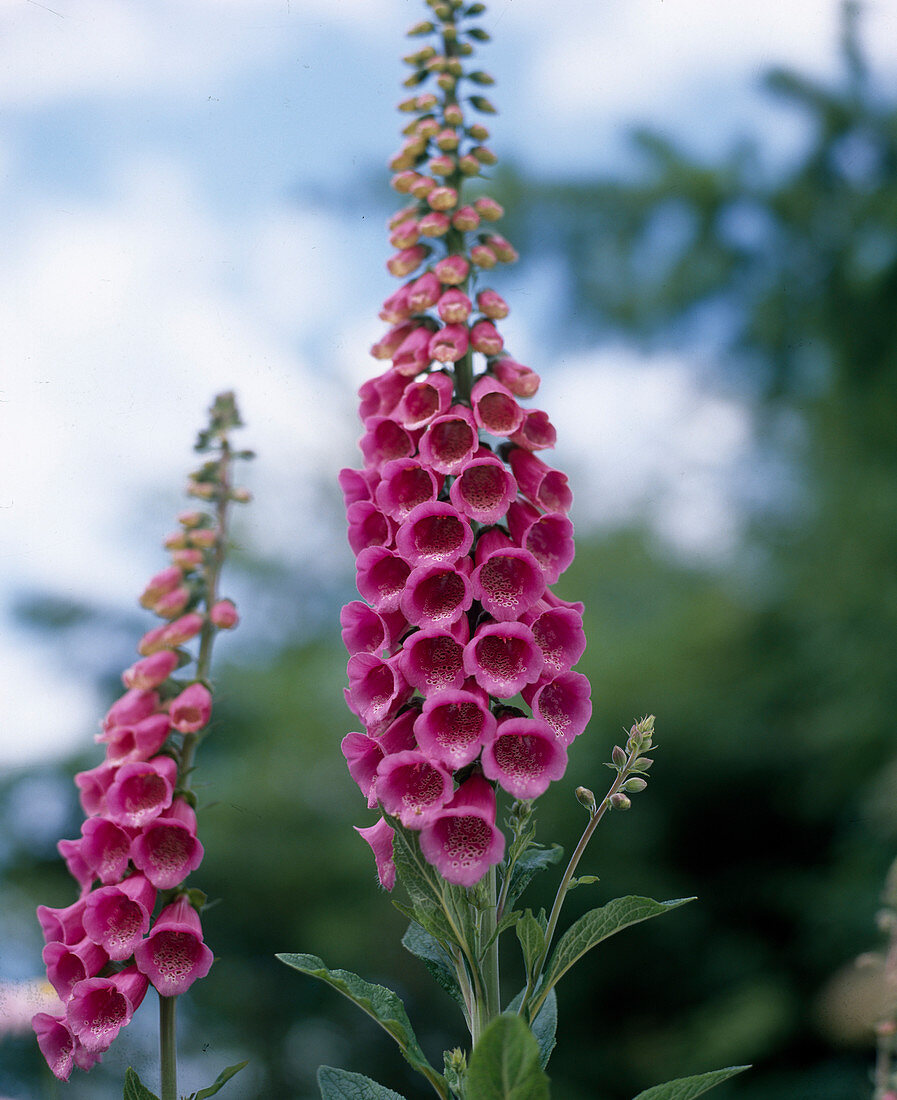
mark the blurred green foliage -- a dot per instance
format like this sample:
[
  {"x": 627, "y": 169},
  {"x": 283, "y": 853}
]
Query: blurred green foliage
[{"x": 773, "y": 796}]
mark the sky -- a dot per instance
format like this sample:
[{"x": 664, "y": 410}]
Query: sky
[{"x": 176, "y": 180}]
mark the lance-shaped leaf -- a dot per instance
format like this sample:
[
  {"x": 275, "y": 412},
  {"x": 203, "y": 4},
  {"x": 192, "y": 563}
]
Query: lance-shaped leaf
[
  {"x": 220, "y": 1081},
  {"x": 686, "y": 1088},
  {"x": 339, "y": 1084},
  {"x": 505, "y": 1064},
  {"x": 595, "y": 926},
  {"x": 135, "y": 1089},
  {"x": 532, "y": 941},
  {"x": 545, "y": 1025},
  {"x": 428, "y": 949},
  {"x": 380, "y": 1003}
]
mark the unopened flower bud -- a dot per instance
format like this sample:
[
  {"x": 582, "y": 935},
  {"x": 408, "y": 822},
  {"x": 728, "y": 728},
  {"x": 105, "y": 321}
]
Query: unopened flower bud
[
  {"x": 241, "y": 495},
  {"x": 450, "y": 32},
  {"x": 415, "y": 79},
  {"x": 454, "y": 67},
  {"x": 442, "y": 166},
  {"x": 424, "y": 27},
  {"x": 204, "y": 490},
  {"x": 484, "y": 155},
  {"x": 426, "y": 102},
  {"x": 488, "y": 209},
  {"x": 466, "y": 219},
  {"x": 182, "y": 629},
  {"x": 503, "y": 249},
  {"x": 191, "y": 519},
  {"x": 402, "y": 161},
  {"x": 177, "y": 540},
  {"x": 454, "y": 306},
  {"x": 203, "y": 536},
  {"x": 478, "y": 132},
  {"x": 452, "y": 270},
  {"x": 643, "y": 764},
  {"x": 619, "y": 801},
  {"x": 619, "y": 756},
  {"x": 426, "y": 127},
  {"x": 586, "y": 798},
  {"x": 483, "y": 104},
  {"x": 492, "y": 305},
  {"x": 405, "y": 235},
  {"x": 465, "y": 49},
  {"x": 408, "y": 105},
  {"x": 187, "y": 559},
  {"x": 453, "y": 114},
  {"x": 446, "y": 82},
  {"x": 402, "y": 215},
  {"x": 160, "y": 585},
  {"x": 422, "y": 187},
  {"x": 436, "y": 65},
  {"x": 483, "y": 256},
  {"x": 434, "y": 224},
  {"x": 447, "y": 140},
  {"x": 634, "y": 785},
  {"x": 403, "y": 182},
  {"x": 224, "y": 615},
  {"x": 172, "y": 603},
  {"x": 442, "y": 198},
  {"x": 404, "y": 262},
  {"x": 469, "y": 165}
]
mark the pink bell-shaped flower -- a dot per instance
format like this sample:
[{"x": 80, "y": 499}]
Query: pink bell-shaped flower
[
  {"x": 68, "y": 964},
  {"x": 117, "y": 917},
  {"x": 564, "y": 703},
  {"x": 191, "y": 710},
  {"x": 503, "y": 658},
  {"x": 483, "y": 489},
  {"x": 405, "y": 484},
  {"x": 432, "y": 533},
  {"x": 380, "y": 837},
  {"x": 450, "y": 441},
  {"x": 462, "y": 842},
  {"x": 100, "y": 1007},
  {"x": 452, "y": 727},
  {"x": 141, "y": 791},
  {"x": 432, "y": 660},
  {"x": 105, "y": 847},
  {"x": 174, "y": 955},
  {"x": 167, "y": 850},
  {"x": 524, "y": 757}
]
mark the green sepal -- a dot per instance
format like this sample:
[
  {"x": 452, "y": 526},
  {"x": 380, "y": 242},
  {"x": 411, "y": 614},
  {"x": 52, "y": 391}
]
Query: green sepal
[
  {"x": 686, "y": 1088},
  {"x": 220, "y": 1081},
  {"x": 380, "y": 1003},
  {"x": 530, "y": 863},
  {"x": 483, "y": 104},
  {"x": 135, "y": 1089},
  {"x": 595, "y": 926},
  {"x": 505, "y": 1064},
  {"x": 339, "y": 1084},
  {"x": 545, "y": 1025},
  {"x": 420, "y": 943},
  {"x": 481, "y": 78}
]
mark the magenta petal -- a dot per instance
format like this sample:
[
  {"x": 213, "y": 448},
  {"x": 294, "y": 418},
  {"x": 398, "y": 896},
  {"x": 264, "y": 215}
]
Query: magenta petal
[
  {"x": 494, "y": 408},
  {"x": 483, "y": 490},
  {"x": 381, "y": 576},
  {"x": 376, "y": 688},
  {"x": 559, "y": 634},
  {"x": 432, "y": 660},
  {"x": 436, "y": 595},
  {"x": 524, "y": 757},
  {"x": 363, "y": 754},
  {"x": 463, "y": 842},
  {"x": 564, "y": 703},
  {"x": 174, "y": 956},
  {"x": 450, "y": 441},
  {"x": 412, "y": 788},
  {"x": 434, "y": 532},
  {"x": 503, "y": 658},
  {"x": 405, "y": 484},
  {"x": 380, "y": 837},
  {"x": 56, "y": 1042},
  {"x": 168, "y": 850},
  {"x": 141, "y": 791},
  {"x": 508, "y": 583},
  {"x": 69, "y": 964},
  {"x": 452, "y": 728}
]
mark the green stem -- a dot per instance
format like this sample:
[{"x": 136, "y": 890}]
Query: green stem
[
  {"x": 489, "y": 1005},
  {"x": 594, "y": 821},
  {"x": 168, "y": 1047}
]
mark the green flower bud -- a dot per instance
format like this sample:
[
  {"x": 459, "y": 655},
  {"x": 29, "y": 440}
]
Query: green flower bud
[
  {"x": 619, "y": 756},
  {"x": 586, "y": 798},
  {"x": 424, "y": 27},
  {"x": 483, "y": 104},
  {"x": 480, "y": 78},
  {"x": 619, "y": 801},
  {"x": 634, "y": 785}
]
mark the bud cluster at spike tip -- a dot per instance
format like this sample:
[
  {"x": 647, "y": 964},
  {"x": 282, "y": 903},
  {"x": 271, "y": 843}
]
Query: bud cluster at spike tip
[
  {"x": 138, "y": 842},
  {"x": 459, "y": 526}
]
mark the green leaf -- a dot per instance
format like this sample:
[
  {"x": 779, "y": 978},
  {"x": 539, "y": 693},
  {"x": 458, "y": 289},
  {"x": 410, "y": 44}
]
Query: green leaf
[
  {"x": 583, "y": 880},
  {"x": 434, "y": 957},
  {"x": 532, "y": 941},
  {"x": 339, "y": 1084},
  {"x": 685, "y": 1088},
  {"x": 380, "y": 1003},
  {"x": 425, "y": 889},
  {"x": 220, "y": 1081},
  {"x": 530, "y": 863},
  {"x": 505, "y": 1064},
  {"x": 544, "y": 1027},
  {"x": 598, "y": 925},
  {"x": 506, "y": 921},
  {"x": 135, "y": 1088}
]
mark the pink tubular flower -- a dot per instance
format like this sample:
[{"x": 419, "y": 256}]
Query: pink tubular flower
[
  {"x": 131, "y": 707},
  {"x": 62, "y": 925},
  {"x": 483, "y": 489},
  {"x": 437, "y": 594},
  {"x": 174, "y": 955},
  {"x": 191, "y": 710},
  {"x": 141, "y": 791},
  {"x": 404, "y": 484},
  {"x": 549, "y": 538},
  {"x": 380, "y": 837},
  {"x": 376, "y": 688},
  {"x": 503, "y": 658},
  {"x": 432, "y": 660},
  {"x": 520, "y": 380},
  {"x": 494, "y": 408},
  {"x": 452, "y": 271},
  {"x": 434, "y": 532},
  {"x": 559, "y": 634},
  {"x": 100, "y": 1007},
  {"x": 492, "y": 305},
  {"x": 524, "y": 757},
  {"x": 536, "y": 433},
  {"x": 116, "y": 917},
  {"x": 424, "y": 292},
  {"x": 78, "y": 868},
  {"x": 381, "y": 575},
  {"x": 167, "y": 850},
  {"x": 564, "y": 703},
  {"x": 453, "y": 726},
  {"x": 407, "y": 260},
  {"x": 183, "y": 629},
  {"x": 363, "y": 753},
  {"x": 463, "y": 842},
  {"x": 138, "y": 742},
  {"x": 56, "y": 1042},
  {"x": 105, "y": 848},
  {"x": 367, "y": 526},
  {"x": 68, "y": 964},
  {"x": 412, "y": 788},
  {"x": 384, "y": 440},
  {"x": 485, "y": 338},
  {"x": 450, "y": 441},
  {"x": 507, "y": 583},
  {"x": 422, "y": 401},
  {"x": 93, "y": 786}
]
